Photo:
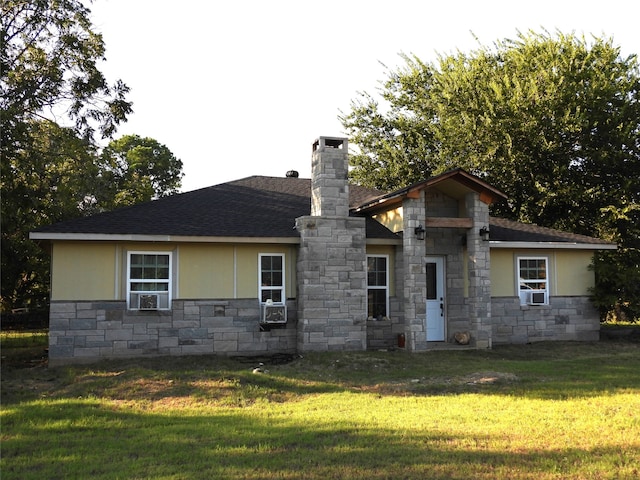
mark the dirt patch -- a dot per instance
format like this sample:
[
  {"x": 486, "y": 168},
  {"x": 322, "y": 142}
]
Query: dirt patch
[{"x": 489, "y": 378}]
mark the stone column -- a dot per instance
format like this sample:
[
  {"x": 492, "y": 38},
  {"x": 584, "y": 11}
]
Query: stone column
[
  {"x": 479, "y": 272},
  {"x": 415, "y": 280}
]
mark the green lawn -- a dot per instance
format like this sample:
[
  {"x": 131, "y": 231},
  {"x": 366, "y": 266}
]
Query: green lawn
[{"x": 542, "y": 411}]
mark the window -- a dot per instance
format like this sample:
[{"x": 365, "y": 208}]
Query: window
[
  {"x": 377, "y": 287},
  {"x": 149, "y": 281},
  {"x": 271, "y": 277},
  {"x": 533, "y": 283}
]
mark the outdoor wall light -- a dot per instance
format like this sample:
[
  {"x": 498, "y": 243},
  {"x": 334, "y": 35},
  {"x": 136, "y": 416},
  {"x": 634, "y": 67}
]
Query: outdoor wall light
[
  {"x": 419, "y": 231},
  {"x": 484, "y": 234}
]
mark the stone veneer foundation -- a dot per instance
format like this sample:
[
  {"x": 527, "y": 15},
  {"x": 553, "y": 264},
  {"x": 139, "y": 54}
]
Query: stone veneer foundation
[
  {"x": 87, "y": 331},
  {"x": 565, "y": 318}
]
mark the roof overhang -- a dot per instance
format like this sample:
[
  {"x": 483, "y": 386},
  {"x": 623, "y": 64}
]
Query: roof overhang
[
  {"x": 553, "y": 245},
  {"x": 103, "y": 237},
  {"x": 96, "y": 237}
]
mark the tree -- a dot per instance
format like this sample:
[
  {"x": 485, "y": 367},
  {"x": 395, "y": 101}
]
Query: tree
[
  {"x": 135, "y": 169},
  {"x": 553, "y": 121},
  {"x": 48, "y": 59},
  {"x": 40, "y": 184},
  {"x": 49, "y": 75}
]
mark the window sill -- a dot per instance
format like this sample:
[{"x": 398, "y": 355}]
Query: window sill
[
  {"x": 164, "y": 311},
  {"x": 383, "y": 321},
  {"x": 535, "y": 307}
]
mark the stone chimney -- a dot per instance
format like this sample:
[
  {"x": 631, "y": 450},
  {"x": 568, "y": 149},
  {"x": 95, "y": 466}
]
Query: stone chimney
[
  {"x": 331, "y": 269},
  {"x": 329, "y": 170}
]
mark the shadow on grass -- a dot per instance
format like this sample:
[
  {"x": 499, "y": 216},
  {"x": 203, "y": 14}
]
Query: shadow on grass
[
  {"x": 545, "y": 371},
  {"x": 84, "y": 439}
]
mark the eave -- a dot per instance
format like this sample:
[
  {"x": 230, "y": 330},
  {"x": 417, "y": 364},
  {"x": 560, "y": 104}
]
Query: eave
[
  {"x": 157, "y": 238},
  {"x": 553, "y": 245},
  {"x": 104, "y": 237}
]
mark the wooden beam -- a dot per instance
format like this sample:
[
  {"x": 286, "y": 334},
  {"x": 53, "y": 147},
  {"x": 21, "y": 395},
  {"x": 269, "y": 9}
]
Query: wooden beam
[{"x": 448, "y": 222}]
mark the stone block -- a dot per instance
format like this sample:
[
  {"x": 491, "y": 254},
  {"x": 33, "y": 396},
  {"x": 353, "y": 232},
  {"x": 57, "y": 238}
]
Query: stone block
[
  {"x": 87, "y": 352},
  {"x": 88, "y": 313},
  {"x": 186, "y": 324},
  {"x": 82, "y": 324},
  {"x": 114, "y": 315},
  {"x": 140, "y": 329},
  {"x": 97, "y": 343},
  {"x": 143, "y": 345},
  {"x": 56, "y": 307},
  {"x": 168, "y": 332},
  {"x": 119, "y": 334},
  {"x": 193, "y": 333},
  {"x": 108, "y": 325},
  {"x": 58, "y": 324},
  {"x": 190, "y": 308},
  {"x": 504, "y": 330},
  {"x": 225, "y": 346},
  {"x": 201, "y": 349},
  {"x": 165, "y": 342}
]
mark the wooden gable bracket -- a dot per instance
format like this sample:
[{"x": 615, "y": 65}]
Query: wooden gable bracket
[{"x": 487, "y": 197}]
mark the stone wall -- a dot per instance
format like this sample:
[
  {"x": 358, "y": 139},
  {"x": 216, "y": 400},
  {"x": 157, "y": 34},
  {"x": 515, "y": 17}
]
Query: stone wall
[
  {"x": 87, "y": 331},
  {"x": 565, "y": 318},
  {"x": 383, "y": 334},
  {"x": 332, "y": 295}
]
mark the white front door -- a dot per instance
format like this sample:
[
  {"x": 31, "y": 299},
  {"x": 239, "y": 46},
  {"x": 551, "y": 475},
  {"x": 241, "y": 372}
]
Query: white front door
[{"x": 435, "y": 299}]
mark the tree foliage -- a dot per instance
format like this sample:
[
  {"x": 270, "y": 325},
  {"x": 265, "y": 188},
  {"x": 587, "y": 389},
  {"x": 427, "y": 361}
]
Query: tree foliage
[
  {"x": 55, "y": 105},
  {"x": 136, "y": 169},
  {"x": 49, "y": 67},
  {"x": 552, "y": 120},
  {"x": 43, "y": 183}
]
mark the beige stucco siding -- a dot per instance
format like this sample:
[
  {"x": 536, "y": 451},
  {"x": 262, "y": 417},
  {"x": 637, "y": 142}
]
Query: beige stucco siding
[
  {"x": 392, "y": 219},
  {"x": 502, "y": 273},
  {"x": 83, "y": 271},
  {"x": 98, "y": 271},
  {"x": 572, "y": 271},
  {"x": 205, "y": 271},
  {"x": 569, "y": 271}
]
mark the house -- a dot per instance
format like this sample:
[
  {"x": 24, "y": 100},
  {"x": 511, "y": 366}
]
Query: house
[{"x": 284, "y": 264}]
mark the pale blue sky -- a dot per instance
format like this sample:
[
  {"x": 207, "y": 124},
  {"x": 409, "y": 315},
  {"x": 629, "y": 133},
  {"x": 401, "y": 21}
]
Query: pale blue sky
[{"x": 243, "y": 87}]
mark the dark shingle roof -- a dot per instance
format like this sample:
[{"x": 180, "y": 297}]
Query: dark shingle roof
[
  {"x": 255, "y": 206},
  {"x": 511, "y": 231},
  {"x": 261, "y": 206}
]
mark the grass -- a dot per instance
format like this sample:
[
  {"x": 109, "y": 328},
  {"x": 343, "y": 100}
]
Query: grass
[{"x": 542, "y": 411}]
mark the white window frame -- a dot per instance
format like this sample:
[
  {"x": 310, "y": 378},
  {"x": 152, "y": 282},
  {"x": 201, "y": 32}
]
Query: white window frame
[
  {"x": 165, "y": 298},
  {"x": 379, "y": 287},
  {"x": 526, "y": 294},
  {"x": 282, "y": 287}
]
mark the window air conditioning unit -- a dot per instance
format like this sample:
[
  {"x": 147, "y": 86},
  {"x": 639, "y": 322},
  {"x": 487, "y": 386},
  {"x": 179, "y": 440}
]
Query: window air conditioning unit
[
  {"x": 537, "y": 298},
  {"x": 274, "y": 313},
  {"x": 148, "y": 301}
]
